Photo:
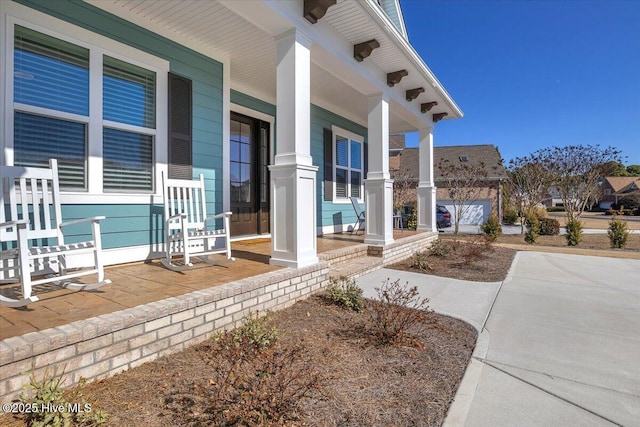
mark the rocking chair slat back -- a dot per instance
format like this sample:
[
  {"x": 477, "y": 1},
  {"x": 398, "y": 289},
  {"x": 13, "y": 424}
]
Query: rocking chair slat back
[
  {"x": 29, "y": 224},
  {"x": 33, "y": 196},
  {"x": 187, "y": 233}
]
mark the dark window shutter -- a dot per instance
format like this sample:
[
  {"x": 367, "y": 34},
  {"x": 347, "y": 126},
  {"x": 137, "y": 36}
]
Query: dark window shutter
[
  {"x": 366, "y": 160},
  {"x": 180, "y": 127},
  {"x": 328, "y": 164}
]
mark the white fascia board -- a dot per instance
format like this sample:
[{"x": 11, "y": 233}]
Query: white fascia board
[{"x": 403, "y": 44}]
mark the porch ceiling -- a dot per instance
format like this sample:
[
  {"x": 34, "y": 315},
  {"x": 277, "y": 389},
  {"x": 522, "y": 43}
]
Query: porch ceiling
[{"x": 242, "y": 33}]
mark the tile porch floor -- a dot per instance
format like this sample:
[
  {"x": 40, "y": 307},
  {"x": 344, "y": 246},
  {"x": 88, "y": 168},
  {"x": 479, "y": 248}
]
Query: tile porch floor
[{"x": 141, "y": 283}]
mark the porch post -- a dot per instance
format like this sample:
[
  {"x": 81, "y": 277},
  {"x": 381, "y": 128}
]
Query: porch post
[
  {"x": 426, "y": 185},
  {"x": 293, "y": 176},
  {"x": 378, "y": 185}
]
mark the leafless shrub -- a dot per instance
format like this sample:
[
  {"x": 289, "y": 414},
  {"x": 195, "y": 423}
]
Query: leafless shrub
[
  {"x": 397, "y": 312},
  {"x": 251, "y": 385}
]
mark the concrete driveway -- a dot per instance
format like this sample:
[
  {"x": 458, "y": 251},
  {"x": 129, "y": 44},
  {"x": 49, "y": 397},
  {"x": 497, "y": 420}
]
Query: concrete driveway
[{"x": 561, "y": 345}]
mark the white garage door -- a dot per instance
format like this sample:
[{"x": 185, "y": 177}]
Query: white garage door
[{"x": 475, "y": 214}]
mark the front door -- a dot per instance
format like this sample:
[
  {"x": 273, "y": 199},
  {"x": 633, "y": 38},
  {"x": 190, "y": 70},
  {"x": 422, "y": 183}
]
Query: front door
[{"x": 249, "y": 160}]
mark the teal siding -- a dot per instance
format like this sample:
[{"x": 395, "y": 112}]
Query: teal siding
[
  {"x": 328, "y": 213},
  {"x": 253, "y": 103},
  {"x": 128, "y": 225}
]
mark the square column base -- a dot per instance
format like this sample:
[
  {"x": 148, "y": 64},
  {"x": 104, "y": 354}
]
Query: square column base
[
  {"x": 293, "y": 215},
  {"x": 427, "y": 207},
  {"x": 379, "y": 211}
]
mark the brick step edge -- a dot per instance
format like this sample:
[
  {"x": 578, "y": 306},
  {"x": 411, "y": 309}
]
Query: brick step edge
[{"x": 355, "y": 268}]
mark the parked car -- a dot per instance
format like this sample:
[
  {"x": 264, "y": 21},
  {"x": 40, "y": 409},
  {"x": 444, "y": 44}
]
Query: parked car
[{"x": 443, "y": 217}]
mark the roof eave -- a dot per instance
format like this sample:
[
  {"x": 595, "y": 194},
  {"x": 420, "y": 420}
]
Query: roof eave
[{"x": 409, "y": 52}]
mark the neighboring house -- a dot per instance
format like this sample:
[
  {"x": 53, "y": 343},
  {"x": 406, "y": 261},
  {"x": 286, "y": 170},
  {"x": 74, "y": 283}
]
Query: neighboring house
[
  {"x": 284, "y": 106},
  {"x": 396, "y": 145},
  {"x": 553, "y": 198},
  {"x": 490, "y": 192},
  {"x": 617, "y": 187}
]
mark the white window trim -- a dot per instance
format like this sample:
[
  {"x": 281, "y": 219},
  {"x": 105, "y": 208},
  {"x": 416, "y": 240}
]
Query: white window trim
[
  {"x": 335, "y": 130},
  {"x": 11, "y": 14}
]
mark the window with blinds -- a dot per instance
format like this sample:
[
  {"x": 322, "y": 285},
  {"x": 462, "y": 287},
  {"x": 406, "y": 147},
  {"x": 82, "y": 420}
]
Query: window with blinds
[
  {"x": 52, "y": 118},
  {"x": 348, "y": 166},
  {"x": 53, "y": 75},
  {"x": 128, "y": 98}
]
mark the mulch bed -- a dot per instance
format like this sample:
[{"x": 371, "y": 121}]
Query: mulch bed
[
  {"x": 474, "y": 260},
  {"x": 363, "y": 383}
]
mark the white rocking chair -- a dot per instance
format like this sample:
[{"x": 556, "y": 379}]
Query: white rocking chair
[
  {"x": 186, "y": 231},
  {"x": 30, "y": 221}
]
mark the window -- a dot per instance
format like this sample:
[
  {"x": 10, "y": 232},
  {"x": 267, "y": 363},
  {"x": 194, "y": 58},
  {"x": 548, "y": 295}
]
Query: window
[
  {"x": 607, "y": 191},
  {"x": 86, "y": 100},
  {"x": 52, "y": 76},
  {"x": 348, "y": 164},
  {"x": 128, "y": 99}
]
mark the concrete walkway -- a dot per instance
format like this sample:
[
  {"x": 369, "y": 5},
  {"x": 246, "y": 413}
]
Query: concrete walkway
[{"x": 560, "y": 347}]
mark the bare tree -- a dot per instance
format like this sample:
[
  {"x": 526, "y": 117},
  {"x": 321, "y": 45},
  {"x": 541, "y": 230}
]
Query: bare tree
[
  {"x": 527, "y": 185},
  {"x": 576, "y": 171},
  {"x": 463, "y": 184},
  {"x": 404, "y": 189}
]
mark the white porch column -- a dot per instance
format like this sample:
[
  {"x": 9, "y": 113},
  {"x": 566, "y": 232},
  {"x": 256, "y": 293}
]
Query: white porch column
[
  {"x": 426, "y": 185},
  {"x": 293, "y": 176},
  {"x": 378, "y": 185}
]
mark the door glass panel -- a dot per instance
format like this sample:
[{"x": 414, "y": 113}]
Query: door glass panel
[
  {"x": 245, "y": 133},
  {"x": 235, "y": 130},
  {"x": 245, "y": 153}
]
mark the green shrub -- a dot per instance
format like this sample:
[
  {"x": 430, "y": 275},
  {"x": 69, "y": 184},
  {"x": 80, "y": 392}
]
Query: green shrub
[
  {"x": 491, "y": 227},
  {"x": 555, "y": 209},
  {"x": 346, "y": 293},
  {"x": 533, "y": 229},
  {"x": 420, "y": 261},
  {"x": 618, "y": 233},
  {"x": 397, "y": 311},
  {"x": 256, "y": 332},
  {"x": 574, "y": 232},
  {"x": 549, "y": 227},
  {"x": 510, "y": 215},
  {"x": 48, "y": 393},
  {"x": 439, "y": 248},
  {"x": 412, "y": 219}
]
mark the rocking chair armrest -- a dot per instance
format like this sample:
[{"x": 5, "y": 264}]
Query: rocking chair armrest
[
  {"x": 10, "y": 224},
  {"x": 220, "y": 215},
  {"x": 177, "y": 216},
  {"x": 81, "y": 220}
]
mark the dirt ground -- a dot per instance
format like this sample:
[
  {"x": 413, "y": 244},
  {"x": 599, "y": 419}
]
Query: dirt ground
[{"x": 477, "y": 262}]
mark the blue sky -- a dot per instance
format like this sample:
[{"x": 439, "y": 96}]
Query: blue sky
[{"x": 532, "y": 74}]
